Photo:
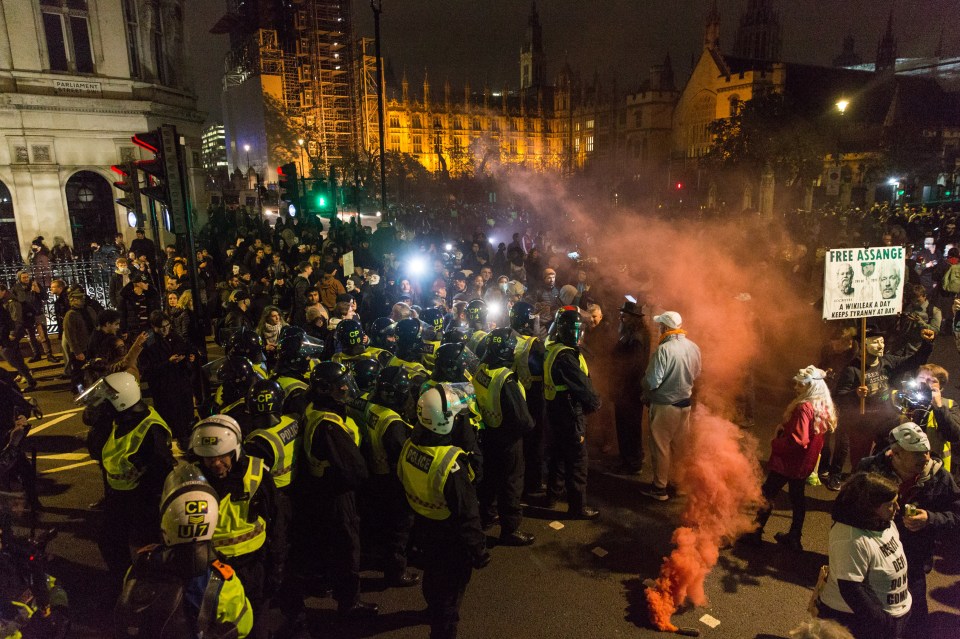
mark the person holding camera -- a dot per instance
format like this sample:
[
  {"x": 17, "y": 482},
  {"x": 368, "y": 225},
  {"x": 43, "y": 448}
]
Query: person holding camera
[{"x": 921, "y": 401}]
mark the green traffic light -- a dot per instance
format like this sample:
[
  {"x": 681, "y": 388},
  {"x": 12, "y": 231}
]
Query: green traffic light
[
  {"x": 321, "y": 201},
  {"x": 948, "y": 193}
]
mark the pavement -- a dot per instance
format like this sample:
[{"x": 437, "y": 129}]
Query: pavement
[{"x": 580, "y": 579}]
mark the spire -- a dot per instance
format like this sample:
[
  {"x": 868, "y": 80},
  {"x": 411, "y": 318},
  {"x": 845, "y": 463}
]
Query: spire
[
  {"x": 532, "y": 62},
  {"x": 666, "y": 77},
  {"x": 758, "y": 34},
  {"x": 887, "y": 49},
  {"x": 426, "y": 88},
  {"x": 405, "y": 86},
  {"x": 848, "y": 56},
  {"x": 711, "y": 33}
]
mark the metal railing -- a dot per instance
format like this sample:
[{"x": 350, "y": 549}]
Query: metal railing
[{"x": 93, "y": 275}]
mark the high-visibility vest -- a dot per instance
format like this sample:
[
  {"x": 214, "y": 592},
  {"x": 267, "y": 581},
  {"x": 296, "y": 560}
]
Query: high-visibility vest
[
  {"x": 413, "y": 368},
  {"x": 378, "y": 419},
  {"x": 521, "y": 361},
  {"x": 473, "y": 343},
  {"x": 291, "y": 384},
  {"x": 423, "y": 471},
  {"x": 932, "y": 424},
  {"x": 121, "y": 473},
  {"x": 488, "y": 384},
  {"x": 313, "y": 418},
  {"x": 235, "y": 534},
  {"x": 475, "y": 418},
  {"x": 370, "y": 352},
  {"x": 284, "y": 442},
  {"x": 550, "y": 389},
  {"x": 430, "y": 353}
]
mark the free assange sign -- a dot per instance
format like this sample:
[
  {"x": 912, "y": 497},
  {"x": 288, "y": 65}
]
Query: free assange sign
[{"x": 863, "y": 282}]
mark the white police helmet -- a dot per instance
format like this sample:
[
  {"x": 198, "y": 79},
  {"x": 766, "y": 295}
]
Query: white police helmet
[
  {"x": 120, "y": 389},
  {"x": 216, "y": 435},
  {"x": 189, "y": 506},
  {"x": 439, "y": 406}
]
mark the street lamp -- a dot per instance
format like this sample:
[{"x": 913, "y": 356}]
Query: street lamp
[
  {"x": 377, "y": 7},
  {"x": 246, "y": 147},
  {"x": 842, "y": 105},
  {"x": 303, "y": 167}
]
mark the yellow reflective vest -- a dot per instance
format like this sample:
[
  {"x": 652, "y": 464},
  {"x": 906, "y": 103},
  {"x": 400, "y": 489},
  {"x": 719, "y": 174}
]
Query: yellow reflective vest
[
  {"x": 378, "y": 419},
  {"x": 488, "y": 384},
  {"x": 121, "y": 473},
  {"x": 430, "y": 353},
  {"x": 370, "y": 352},
  {"x": 521, "y": 361},
  {"x": 945, "y": 452},
  {"x": 284, "y": 442},
  {"x": 423, "y": 471},
  {"x": 235, "y": 533},
  {"x": 550, "y": 389},
  {"x": 413, "y": 368},
  {"x": 313, "y": 418},
  {"x": 473, "y": 343}
]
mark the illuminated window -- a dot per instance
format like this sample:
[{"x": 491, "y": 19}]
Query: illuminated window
[
  {"x": 576, "y": 145},
  {"x": 394, "y": 121},
  {"x": 416, "y": 122},
  {"x": 589, "y": 144},
  {"x": 476, "y": 124},
  {"x": 589, "y": 124},
  {"x": 394, "y": 142},
  {"x": 418, "y": 144}
]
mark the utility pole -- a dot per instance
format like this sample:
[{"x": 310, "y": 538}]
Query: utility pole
[{"x": 377, "y": 7}]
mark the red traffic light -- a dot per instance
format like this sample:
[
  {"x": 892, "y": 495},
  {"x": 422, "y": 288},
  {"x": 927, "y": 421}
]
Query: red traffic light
[
  {"x": 679, "y": 185},
  {"x": 151, "y": 141}
]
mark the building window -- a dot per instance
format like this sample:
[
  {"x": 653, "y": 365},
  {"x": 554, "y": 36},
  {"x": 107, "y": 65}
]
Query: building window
[
  {"x": 589, "y": 124},
  {"x": 416, "y": 122},
  {"x": 67, "y": 36},
  {"x": 576, "y": 145},
  {"x": 589, "y": 144},
  {"x": 513, "y": 147},
  {"x": 394, "y": 121},
  {"x": 476, "y": 124},
  {"x": 394, "y": 142},
  {"x": 133, "y": 37},
  {"x": 418, "y": 144}
]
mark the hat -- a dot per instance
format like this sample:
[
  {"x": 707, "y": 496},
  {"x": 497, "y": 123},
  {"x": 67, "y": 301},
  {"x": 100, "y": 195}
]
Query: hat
[
  {"x": 313, "y": 313},
  {"x": 516, "y": 288},
  {"x": 137, "y": 278},
  {"x": 670, "y": 319},
  {"x": 548, "y": 271},
  {"x": 630, "y": 307},
  {"x": 809, "y": 374},
  {"x": 239, "y": 295},
  {"x": 567, "y": 294},
  {"x": 76, "y": 294},
  {"x": 344, "y": 297},
  {"x": 460, "y": 276},
  {"x": 38, "y": 240},
  {"x": 911, "y": 437},
  {"x": 873, "y": 331}
]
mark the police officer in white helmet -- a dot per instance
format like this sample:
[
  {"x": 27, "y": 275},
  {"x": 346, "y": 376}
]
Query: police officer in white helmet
[
  {"x": 438, "y": 484},
  {"x": 136, "y": 456},
  {"x": 251, "y": 530},
  {"x": 182, "y": 587}
]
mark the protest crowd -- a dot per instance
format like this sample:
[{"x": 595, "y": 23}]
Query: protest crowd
[{"x": 394, "y": 395}]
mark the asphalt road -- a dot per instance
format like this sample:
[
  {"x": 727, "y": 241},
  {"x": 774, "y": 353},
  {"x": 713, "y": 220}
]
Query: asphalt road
[{"x": 582, "y": 580}]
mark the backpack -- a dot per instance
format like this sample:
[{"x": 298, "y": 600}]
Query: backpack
[
  {"x": 951, "y": 279},
  {"x": 152, "y": 606}
]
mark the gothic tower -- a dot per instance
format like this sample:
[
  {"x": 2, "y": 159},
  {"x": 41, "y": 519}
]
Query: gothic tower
[
  {"x": 887, "y": 49},
  {"x": 848, "y": 57},
  {"x": 531, "y": 53},
  {"x": 711, "y": 34},
  {"x": 758, "y": 36}
]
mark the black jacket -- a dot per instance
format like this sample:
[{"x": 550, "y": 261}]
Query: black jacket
[
  {"x": 937, "y": 493},
  {"x": 135, "y": 309},
  {"x": 580, "y": 399}
]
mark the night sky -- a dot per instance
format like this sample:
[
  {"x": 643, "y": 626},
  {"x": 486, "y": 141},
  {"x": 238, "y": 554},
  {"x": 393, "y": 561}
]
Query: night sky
[{"x": 479, "y": 40}]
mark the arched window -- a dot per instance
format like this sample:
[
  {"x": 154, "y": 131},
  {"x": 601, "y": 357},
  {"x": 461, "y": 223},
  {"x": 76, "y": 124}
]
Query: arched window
[
  {"x": 9, "y": 240},
  {"x": 91, "y": 208}
]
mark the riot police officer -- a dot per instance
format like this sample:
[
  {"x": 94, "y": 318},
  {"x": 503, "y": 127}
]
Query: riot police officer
[
  {"x": 477, "y": 326},
  {"x": 136, "y": 457},
  {"x": 506, "y": 420},
  {"x": 352, "y": 342},
  {"x": 236, "y": 374},
  {"x": 383, "y": 334},
  {"x": 528, "y": 365},
  {"x": 410, "y": 350},
  {"x": 293, "y": 367},
  {"x": 270, "y": 434},
  {"x": 182, "y": 588},
  {"x": 569, "y": 397},
  {"x": 335, "y": 470},
  {"x": 434, "y": 318},
  {"x": 251, "y": 528},
  {"x": 386, "y": 433},
  {"x": 249, "y": 344},
  {"x": 437, "y": 482}
]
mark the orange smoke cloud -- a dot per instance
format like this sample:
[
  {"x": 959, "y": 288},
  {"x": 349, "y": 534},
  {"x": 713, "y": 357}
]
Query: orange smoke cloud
[{"x": 700, "y": 269}]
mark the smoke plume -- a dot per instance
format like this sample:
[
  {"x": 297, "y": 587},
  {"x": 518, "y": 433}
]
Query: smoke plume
[{"x": 749, "y": 312}]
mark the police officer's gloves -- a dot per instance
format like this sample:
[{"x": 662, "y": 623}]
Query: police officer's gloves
[{"x": 482, "y": 559}]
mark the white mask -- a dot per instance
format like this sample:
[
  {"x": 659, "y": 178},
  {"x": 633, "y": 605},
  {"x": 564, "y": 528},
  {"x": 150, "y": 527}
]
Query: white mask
[{"x": 374, "y": 280}]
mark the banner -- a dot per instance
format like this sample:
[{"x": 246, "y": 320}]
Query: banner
[
  {"x": 865, "y": 282},
  {"x": 348, "y": 264}
]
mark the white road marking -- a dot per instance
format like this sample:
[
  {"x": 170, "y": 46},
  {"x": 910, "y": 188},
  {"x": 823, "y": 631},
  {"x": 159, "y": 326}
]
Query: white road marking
[
  {"x": 52, "y": 422},
  {"x": 68, "y": 467},
  {"x": 64, "y": 412},
  {"x": 64, "y": 456}
]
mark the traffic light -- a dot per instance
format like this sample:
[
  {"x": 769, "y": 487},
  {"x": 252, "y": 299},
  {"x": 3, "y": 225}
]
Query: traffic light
[
  {"x": 155, "y": 167},
  {"x": 288, "y": 185},
  {"x": 164, "y": 183},
  {"x": 321, "y": 201},
  {"x": 679, "y": 186},
  {"x": 129, "y": 185}
]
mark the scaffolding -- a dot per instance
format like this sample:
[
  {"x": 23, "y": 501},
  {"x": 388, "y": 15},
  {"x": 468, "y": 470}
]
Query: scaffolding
[{"x": 367, "y": 127}]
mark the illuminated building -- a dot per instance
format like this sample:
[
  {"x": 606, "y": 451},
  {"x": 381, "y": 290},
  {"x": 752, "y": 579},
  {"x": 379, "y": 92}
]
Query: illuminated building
[
  {"x": 77, "y": 79},
  {"x": 213, "y": 153},
  {"x": 289, "y": 68}
]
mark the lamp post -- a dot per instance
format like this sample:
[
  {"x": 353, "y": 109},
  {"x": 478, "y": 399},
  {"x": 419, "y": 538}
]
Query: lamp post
[
  {"x": 303, "y": 168},
  {"x": 246, "y": 147},
  {"x": 377, "y": 7}
]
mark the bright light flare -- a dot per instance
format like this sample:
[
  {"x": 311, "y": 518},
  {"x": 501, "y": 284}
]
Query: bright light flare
[
  {"x": 494, "y": 308},
  {"x": 842, "y": 105},
  {"x": 448, "y": 247},
  {"x": 417, "y": 266},
  {"x": 893, "y": 181}
]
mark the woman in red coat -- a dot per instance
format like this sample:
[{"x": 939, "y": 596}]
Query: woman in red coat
[{"x": 794, "y": 451}]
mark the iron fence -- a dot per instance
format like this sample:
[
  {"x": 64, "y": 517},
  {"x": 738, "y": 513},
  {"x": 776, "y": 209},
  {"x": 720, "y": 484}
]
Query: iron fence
[{"x": 92, "y": 274}]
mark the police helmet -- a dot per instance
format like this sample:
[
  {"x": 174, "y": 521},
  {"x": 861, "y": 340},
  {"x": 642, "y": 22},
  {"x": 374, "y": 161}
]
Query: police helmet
[
  {"x": 265, "y": 397},
  {"x": 120, "y": 389},
  {"x": 246, "y": 343},
  {"x": 434, "y": 318},
  {"x": 438, "y": 406},
  {"x": 455, "y": 335},
  {"x": 189, "y": 506},
  {"x": 382, "y": 334},
  {"x": 333, "y": 380},
  {"x": 450, "y": 363},
  {"x": 216, "y": 435},
  {"x": 236, "y": 372},
  {"x": 523, "y": 318},
  {"x": 350, "y": 336},
  {"x": 501, "y": 343},
  {"x": 477, "y": 313},
  {"x": 567, "y": 326},
  {"x": 365, "y": 372},
  {"x": 392, "y": 387},
  {"x": 409, "y": 336}
]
